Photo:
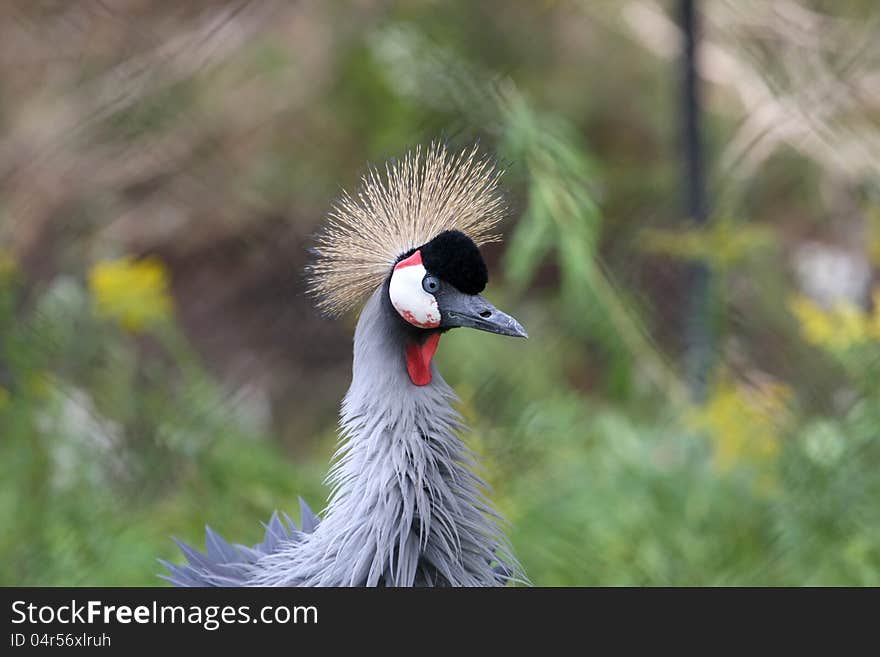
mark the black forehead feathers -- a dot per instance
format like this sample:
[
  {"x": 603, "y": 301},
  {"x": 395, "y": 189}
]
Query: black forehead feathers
[{"x": 453, "y": 257}]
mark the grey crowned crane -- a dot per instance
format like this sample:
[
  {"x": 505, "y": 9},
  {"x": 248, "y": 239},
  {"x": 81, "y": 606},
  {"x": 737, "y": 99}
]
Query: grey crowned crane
[{"x": 405, "y": 508}]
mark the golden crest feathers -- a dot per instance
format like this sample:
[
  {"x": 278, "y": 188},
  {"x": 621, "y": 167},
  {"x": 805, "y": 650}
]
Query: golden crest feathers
[{"x": 419, "y": 196}]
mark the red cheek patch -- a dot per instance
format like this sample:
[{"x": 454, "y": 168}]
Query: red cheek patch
[
  {"x": 414, "y": 259},
  {"x": 418, "y": 359},
  {"x": 432, "y": 322}
]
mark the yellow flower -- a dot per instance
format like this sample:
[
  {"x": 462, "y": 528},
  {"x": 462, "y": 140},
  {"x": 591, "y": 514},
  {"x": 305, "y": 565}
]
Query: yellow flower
[
  {"x": 852, "y": 324},
  {"x": 133, "y": 293},
  {"x": 838, "y": 328},
  {"x": 815, "y": 323},
  {"x": 745, "y": 423}
]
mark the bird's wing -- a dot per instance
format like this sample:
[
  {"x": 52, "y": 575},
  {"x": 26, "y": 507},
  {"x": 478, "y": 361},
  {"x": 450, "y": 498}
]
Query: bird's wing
[{"x": 226, "y": 564}]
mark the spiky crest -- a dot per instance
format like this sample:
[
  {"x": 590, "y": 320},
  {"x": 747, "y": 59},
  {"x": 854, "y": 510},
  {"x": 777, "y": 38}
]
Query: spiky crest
[{"x": 419, "y": 197}]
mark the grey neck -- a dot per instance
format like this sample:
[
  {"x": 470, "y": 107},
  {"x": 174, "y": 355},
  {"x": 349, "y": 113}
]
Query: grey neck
[
  {"x": 406, "y": 507},
  {"x": 404, "y": 472}
]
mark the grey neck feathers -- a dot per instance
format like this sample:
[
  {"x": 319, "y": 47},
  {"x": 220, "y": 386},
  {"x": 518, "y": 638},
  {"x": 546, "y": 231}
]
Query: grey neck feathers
[{"x": 406, "y": 507}]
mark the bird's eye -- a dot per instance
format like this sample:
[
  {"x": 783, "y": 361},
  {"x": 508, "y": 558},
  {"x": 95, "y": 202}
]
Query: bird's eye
[{"x": 430, "y": 284}]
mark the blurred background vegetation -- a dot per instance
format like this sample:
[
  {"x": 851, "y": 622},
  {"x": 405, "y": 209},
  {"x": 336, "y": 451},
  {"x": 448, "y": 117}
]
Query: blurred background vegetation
[{"x": 163, "y": 165}]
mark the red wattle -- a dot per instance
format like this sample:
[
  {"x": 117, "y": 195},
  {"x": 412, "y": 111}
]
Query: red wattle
[{"x": 418, "y": 359}]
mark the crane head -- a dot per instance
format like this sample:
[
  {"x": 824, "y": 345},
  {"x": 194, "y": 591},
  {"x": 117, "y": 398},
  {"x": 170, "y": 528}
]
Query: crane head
[
  {"x": 437, "y": 287},
  {"x": 412, "y": 235}
]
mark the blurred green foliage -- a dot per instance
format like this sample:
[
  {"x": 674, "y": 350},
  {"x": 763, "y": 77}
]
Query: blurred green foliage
[{"x": 117, "y": 429}]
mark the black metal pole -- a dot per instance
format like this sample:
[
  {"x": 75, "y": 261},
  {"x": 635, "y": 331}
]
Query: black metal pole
[{"x": 697, "y": 327}]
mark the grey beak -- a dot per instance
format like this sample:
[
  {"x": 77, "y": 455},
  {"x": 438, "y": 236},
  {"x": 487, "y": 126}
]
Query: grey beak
[{"x": 472, "y": 310}]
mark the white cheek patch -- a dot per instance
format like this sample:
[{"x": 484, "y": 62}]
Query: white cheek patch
[{"x": 408, "y": 296}]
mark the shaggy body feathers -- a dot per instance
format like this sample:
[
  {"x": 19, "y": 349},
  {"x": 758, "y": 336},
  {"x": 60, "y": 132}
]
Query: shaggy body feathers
[{"x": 406, "y": 507}]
